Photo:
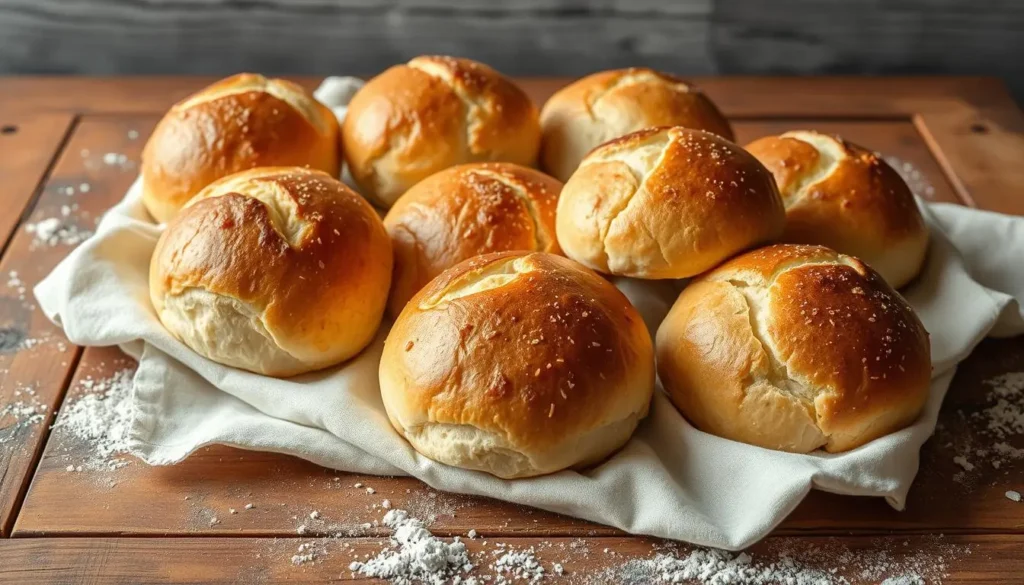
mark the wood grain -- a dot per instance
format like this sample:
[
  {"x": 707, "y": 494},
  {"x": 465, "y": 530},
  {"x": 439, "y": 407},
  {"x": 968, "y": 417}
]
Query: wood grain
[
  {"x": 35, "y": 359},
  {"x": 285, "y": 490},
  {"x": 860, "y": 560},
  {"x": 570, "y": 37},
  {"x": 737, "y": 96},
  {"x": 964, "y": 136},
  {"x": 30, "y": 144}
]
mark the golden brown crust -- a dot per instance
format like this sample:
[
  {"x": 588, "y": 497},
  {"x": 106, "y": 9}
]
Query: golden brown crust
[
  {"x": 300, "y": 249},
  {"x": 795, "y": 348},
  {"x": 547, "y": 353},
  {"x": 238, "y": 123},
  {"x": 432, "y": 113},
  {"x": 609, "y": 104},
  {"x": 465, "y": 211},
  {"x": 843, "y": 196},
  {"x": 666, "y": 203}
]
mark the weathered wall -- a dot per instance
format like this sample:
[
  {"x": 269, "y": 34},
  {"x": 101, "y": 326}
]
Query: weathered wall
[{"x": 530, "y": 37}]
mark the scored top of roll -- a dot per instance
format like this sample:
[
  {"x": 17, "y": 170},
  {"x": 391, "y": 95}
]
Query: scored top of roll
[
  {"x": 609, "y": 104},
  {"x": 277, "y": 270},
  {"x": 795, "y": 348},
  {"x": 238, "y": 123},
  {"x": 432, "y": 113},
  {"x": 666, "y": 203},
  {"x": 465, "y": 211},
  {"x": 517, "y": 364},
  {"x": 846, "y": 197}
]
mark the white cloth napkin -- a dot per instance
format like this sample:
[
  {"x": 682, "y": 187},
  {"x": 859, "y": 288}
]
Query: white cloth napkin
[{"x": 670, "y": 480}]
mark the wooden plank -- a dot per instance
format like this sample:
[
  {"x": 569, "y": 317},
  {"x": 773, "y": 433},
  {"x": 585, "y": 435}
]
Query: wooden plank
[
  {"x": 980, "y": 150},
  {"x": 285, "y": 490},
  {"x": 738, "y": 96},
  {"x": 949, "y": 560},
  {"x": 35, "y": 359},
  {"x": 30, "y": 144}
]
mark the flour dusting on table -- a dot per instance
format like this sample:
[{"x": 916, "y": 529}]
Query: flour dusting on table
[
  {"x": 101, "y": 418},
  {"x": 23, "y": 412},
  {"x": 990, "y": 435},
  {"x": 417, "y": 555}
]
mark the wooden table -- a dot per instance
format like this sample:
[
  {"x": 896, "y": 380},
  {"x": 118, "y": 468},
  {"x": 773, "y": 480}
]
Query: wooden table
[{"x": 154, "y": 525}]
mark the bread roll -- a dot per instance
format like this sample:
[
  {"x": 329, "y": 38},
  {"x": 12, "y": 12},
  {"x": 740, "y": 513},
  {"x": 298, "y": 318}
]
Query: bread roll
[
  {"x": 666, "y": 203},
  {"x": 238, "y": 123},
  {"x": 517, "y": 364},
  {"x": 465, "y": 211},
  {"x": 274, "y": 270},
  {"x": 845, "y": 197},
  {"x": 606, "y": 105},
  {"x": 432, "y": 113},
  {"x": 795, "y": 348}
]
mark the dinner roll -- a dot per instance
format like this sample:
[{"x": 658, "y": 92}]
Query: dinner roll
[
  {"x": 846, "y": 197},
  {"x": 274, "y": 270},
  {"x": 517, "y": 364},
  {"x": 609, "y": 104},
  {"x": 465, "y": 211},
  {"x": 432, "y": 113},
  {"x": 238, "y": 123},
  {"x": 795, "y": 348},
  {"x": 666, "y": 203}
]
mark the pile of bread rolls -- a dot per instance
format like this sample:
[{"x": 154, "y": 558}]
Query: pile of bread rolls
[{"x": 510, "y": 352}]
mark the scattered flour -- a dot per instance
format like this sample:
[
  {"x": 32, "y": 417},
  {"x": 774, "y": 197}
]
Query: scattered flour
[
  {"x": 1005, "y": 418},
  {"x": 517, "y": 566},
  {"x": 417, "y": 556},
  {"x": 829, "y": 563},
  {"x": 15, "y": 283},
  {"x": 307, "y": 554},
  {"x": 54, "y": 231},
  {"x": 915, "y": 179},
  {"x": 910, "y": 579},
  {"x": 101, "y": 418},
  {"x": 715, "y": 567},
  {"x": 992, "y": 428},
  {"x": 24, "y": 412},
  {"x": 109, "y": 159}
]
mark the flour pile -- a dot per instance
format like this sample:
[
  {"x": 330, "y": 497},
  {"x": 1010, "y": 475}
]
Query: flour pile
[
  {"x": 418, "y": 556},
  {"x": 715, "y": 567},
  {"x": 101, "y": 418},
  {"x": 517, "y": 567}
]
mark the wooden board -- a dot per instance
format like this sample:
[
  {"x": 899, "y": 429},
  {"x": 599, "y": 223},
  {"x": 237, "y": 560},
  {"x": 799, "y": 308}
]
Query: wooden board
[
  {"x": 128, "y": 508},
  {"x": 77, "y": 514},
  {"x": 285, "y": 490},
  {"x": 29, "y": 147},
  {"x": 592, "y": 560}
]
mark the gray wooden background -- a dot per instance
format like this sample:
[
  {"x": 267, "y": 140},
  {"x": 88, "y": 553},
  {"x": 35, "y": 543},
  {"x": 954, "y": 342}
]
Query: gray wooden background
[{"x": 522, "y": 37}]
